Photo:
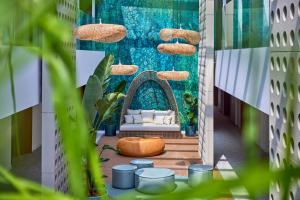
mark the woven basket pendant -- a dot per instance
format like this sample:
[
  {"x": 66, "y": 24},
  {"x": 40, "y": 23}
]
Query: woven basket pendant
[
  {"x": 192, "y": 37},
  {"x": 173, "y": 75},
  {"x": 177, "y": 48},
  {"x": 106, "y": 33},
  {"x": 121, "y": 69}
]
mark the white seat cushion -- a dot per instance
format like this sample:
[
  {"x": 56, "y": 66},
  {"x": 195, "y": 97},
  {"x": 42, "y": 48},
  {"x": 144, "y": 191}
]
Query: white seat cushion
[
  {"x": 149, "y": 127},
  {"x": 167, "y": 120},
  {"x": 173, "y": 120},
  {"x": 147, "y": 116},
  {"x": 129, "y": 119},
  {"x": 137, "y": 119},
  {"x": 162, "y": 112},
  {"x": 133, "y": 112},
  {"x": 159, "y": 120}
]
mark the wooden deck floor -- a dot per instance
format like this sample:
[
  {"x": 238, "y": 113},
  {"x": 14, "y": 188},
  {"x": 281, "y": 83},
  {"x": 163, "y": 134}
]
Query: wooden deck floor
[{"x": 178, "y": 155}]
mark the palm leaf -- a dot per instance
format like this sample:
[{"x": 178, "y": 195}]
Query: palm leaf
[
  {"x": 107, "y": 105},
  {"x": 103, "y": 71},
  {"x": 91, "y": 94}
]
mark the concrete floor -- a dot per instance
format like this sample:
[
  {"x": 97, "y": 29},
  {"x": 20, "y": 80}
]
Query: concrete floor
[
  {"x": 229, "y": 154},
  {"x": 28, "y": 166},
  {"x": 227, "y": 141},
  {"x": 178, "y": 155}
]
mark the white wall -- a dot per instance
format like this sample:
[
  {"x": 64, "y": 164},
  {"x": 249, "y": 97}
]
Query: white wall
[
  {"x": 26, "y": 80},
  {"x": 86, "y": 63},
  {"x": 244, "y": 74},
  {"x": 5, "y": 142}
]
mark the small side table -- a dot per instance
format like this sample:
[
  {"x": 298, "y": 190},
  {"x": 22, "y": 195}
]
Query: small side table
[
  {"x": 123, "y": 176},
  {"x": 154, "y": 180},
  {"x": 198, "y": 173}
]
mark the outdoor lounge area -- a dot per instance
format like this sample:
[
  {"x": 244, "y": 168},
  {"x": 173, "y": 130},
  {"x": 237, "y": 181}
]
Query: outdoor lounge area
[
  {"x": 178, "y": 156},
  {"x": 150, "y": 100}
]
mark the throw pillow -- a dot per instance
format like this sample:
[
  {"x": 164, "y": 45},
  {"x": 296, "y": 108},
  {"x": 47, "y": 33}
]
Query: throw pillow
[
  {"x": 133, "y": 112},
  {"x": 173, "y": 120},
  {"x": 137, "y": 119},
  {"x": 147, "y": 116},
  {"x": 162, "y": 112},
  {"x": 159, "y": 120},
  {"x": 167, "y": 120},
  {"x": 128, "y": 119}
]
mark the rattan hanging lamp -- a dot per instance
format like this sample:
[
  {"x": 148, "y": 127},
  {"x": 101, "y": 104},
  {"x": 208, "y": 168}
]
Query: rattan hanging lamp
[
  {"x": 173, "y": 75},
  {"x": 168, "y": 34},
  {"x": 192, "y": 37},
  {"x": 106, "y": 33},
  {"x": 177, "y": 48},
  {"x": 174, "y": 48},
  {"x": 121, "y": 69}
]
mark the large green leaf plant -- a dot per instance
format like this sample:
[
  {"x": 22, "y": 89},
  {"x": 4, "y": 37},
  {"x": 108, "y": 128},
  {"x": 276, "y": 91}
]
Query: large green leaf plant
[
  {"x": 99, "y": 104},
  {"x": 191, "y": 108},
  {"x": 94, "y": 91}
]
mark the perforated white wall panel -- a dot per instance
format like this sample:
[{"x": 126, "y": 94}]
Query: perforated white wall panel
[
  {"x": 206, "y": 80},
  {"x": 284, "y": 56},
  {"x": 53, "y": 165}
]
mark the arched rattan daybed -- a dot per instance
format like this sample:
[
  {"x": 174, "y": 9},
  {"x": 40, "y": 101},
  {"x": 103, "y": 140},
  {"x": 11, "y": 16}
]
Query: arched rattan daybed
[{"x": 134, "y": 86}]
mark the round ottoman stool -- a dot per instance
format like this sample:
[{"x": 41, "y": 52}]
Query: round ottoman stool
[
  {"x": 154, "y": 180},
  {"x": 142, "y": 163},
  {"x": 198, "y": 173},
  {"x": 123, "y": 176},
  {"x": 140, "y": 147}
]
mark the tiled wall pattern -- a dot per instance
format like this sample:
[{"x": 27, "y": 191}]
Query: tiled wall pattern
[
  {"x": 53, "y": 165},
  {"x": 206, "y": 80},
  {"x": 284, "y": 59},
  {"x": 144, "y": 20}
]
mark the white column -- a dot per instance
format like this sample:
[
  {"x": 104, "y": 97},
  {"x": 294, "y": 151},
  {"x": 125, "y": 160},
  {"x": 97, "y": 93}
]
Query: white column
[
  {"x": 5, "y": 142},
  {"x": 206, "y": 82},
  {"x": 36, "y": 126},
  {"x": 48, "y": 133}
]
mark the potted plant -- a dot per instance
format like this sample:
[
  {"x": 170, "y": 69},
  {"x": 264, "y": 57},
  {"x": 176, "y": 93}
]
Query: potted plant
[
  {"x": 191, "y": 108},
  {"x": 108, "y": 106},
  {"x": 94, "y": 91},
  {"x": 110, "y": 125}
]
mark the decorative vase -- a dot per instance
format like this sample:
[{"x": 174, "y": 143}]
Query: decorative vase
[
  {"x": 110, "y": 130},
  {"x": 190, "y": 130}
]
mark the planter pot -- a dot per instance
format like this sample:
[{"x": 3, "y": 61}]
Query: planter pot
[
  {"x": 190, "y": 130},
  {"x": 110, "y": 130}
]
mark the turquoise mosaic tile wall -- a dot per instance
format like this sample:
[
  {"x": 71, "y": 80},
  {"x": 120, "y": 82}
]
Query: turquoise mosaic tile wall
[
  {"x": 143, "y": 20},
  {"x": 249, "y": 27},
  {"x": 251, "y": 23}
]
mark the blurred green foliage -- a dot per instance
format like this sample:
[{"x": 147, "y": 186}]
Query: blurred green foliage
[{"x": 21, "y": 18}]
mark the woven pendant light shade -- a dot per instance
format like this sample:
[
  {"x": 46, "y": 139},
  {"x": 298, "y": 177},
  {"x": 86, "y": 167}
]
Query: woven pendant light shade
[
  {"x": 124, "y": 69},
  {"x": 192, "y": 37},
  {"x": 177, "y": 48},
  {"x": 173, "y": 75},
  {"x": 106, "y": 33}
]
